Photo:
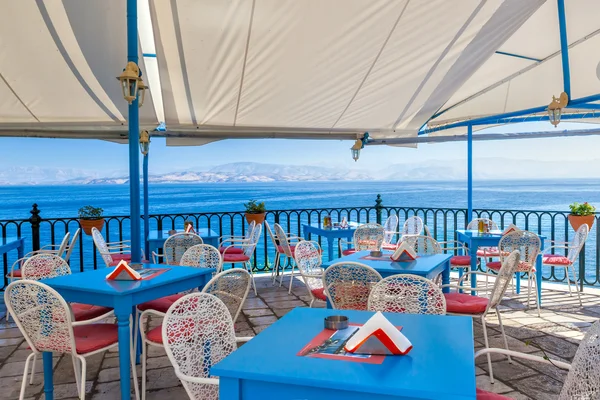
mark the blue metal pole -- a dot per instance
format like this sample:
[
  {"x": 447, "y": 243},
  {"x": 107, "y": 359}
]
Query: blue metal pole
[
  {"x": 469, "y": 173},
  {"x": 146, "y": 209},
  {"x": 564, "y": 47},
  {"x": 134, "y": 132}
]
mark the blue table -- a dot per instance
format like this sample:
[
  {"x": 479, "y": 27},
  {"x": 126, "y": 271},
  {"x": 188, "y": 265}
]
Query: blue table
[
  {"x": 440, "y": 366},
  {"x": 473, "y": 239},
  {"x": 156, "y": 239},
  {"x": 330, "y": 234},
  {"x": 8, "y": 243},
  {"x": 93, "y": 288}
]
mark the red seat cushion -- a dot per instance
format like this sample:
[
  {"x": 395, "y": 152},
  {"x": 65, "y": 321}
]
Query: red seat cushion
[
  {"x": 319, "y": 294},
  {"x": 160, "y": 305},
  {"x": 116, "y": 258},
  {"x": 461, "y": 260},
  {"x": 83, "y": 312},
  {"x": 16, "y": 273},
  {"x": 231, "y": 250},
  {"x": 462, "y": 303},
  {"x": 92, "y": 337},
  {"x": 495, "y": 265},
  {"x": 155, "y": 335},
  {"x": 553, "y": 259},
  {"x": 280, "y": 249},
  {"x": 347, "y": 252},
  {"x": 235, "y": 257},
  {"x": 389, "y": 247},
  {"x": 483, "y": 395},
  {"x": 488, "y": 252}
]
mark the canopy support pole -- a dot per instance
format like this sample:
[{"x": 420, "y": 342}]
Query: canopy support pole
[
  {"x": 146, "y": 209},
  {"x": 469, "y": 173},
  {"x": 564, "y": 47},
  {"x": 134, "y": 132}
]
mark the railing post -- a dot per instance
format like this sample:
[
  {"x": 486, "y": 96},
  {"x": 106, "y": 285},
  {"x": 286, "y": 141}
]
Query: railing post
[
  {"x": 378, "y": 208},
  {"x": 35, "y": 220}
]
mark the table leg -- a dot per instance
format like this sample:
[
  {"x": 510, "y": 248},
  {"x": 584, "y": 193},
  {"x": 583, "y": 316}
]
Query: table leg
[
  {"x": 538, "y": 276},
  {"x": 48, "y": 376},
  {"x": 330, "y": 241},
  {"x": 473, "y": 277},
  {"x": 518, "y": 283},
  {"x": 124, "y": 354},
  {"x": 21, "y": 249},
  {"x": 446, "y": 276}
]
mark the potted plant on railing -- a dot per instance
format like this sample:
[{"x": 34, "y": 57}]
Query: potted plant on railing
[
  {"x": 581, "y": 214},
  {"x": 90, "y": 217},
  {"x": 255, "y": 211}
]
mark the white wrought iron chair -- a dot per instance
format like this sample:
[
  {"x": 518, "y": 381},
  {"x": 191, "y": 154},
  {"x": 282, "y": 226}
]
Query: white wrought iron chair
[
  {"x": 423, "y": 245},
  {"x": 72, "y": 245},
  {"x": 367, "y": 236},
  {"x": 461, "y": 259},
  {"x": 408, "y": 294},
  {"x": 412, "y": 226},
  {"x": 193, "y": 324},
  {"x": 280, "y": 250},
  {"x": 347, "y": 285},
  {"x": 484, "y": 252},
  {"x": 528, "y": 244},
  {"x": 175, "y": 246},
  {"x": 391, "y": 229},
  {"x": 231, "y": 287},
  {"x": 244, "y": 258},
  {"x": 233, "y": 243},
  {"x": 112, "y": 253},
  {"x": 583, "y": 378},
  {"x": 47, "y": 323},
  {"x": 308, "y": 260},
  {"x": 464, "y": 304},
  {"x": 567, "y": 262},
  {"x": 287, "y": 249},
  {"x": 59, "y": 250}
]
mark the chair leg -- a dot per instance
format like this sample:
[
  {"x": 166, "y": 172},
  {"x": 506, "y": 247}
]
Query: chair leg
[
  {"x": 83, "y": 373},
  {"x": 33, "y": 369},
  {"x": 77, "y": 374},
  {"x": 133, "y": 353},
  {"x": 532, "y": 276},
  {"x": 249, "y": 269},
  {"x": 292, "y": 277},
  {"x": 275, "y": 268},
  {"x": 503, "y": 333},
  {"x": 24, "y": 382},
  {"x": 569, "y": 280},
  {"x": 576, "y": 289},
  {"x": 144, "y": 348},
  {"x": 282, "y": 270},
  {"x": 487, "y": 346}
]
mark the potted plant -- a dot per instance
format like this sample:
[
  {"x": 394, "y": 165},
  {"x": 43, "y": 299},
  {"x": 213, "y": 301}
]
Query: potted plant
[
  {"x": 90, "y": 217},
  {"x": 255, "y": 211},
  {"x": 581, "y": 214}
]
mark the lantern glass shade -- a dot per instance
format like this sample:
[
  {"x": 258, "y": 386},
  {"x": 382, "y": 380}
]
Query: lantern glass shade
[
  {"x": 355, "y": 153},
  {"x": 141, "y": 93},
  {"x": 144, "y": 142},
  {"x": 129, "y": 78},
  {"x": 554, "y": 115}
]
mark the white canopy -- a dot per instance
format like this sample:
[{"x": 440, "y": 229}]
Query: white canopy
[{"x": 285, "y": 68}]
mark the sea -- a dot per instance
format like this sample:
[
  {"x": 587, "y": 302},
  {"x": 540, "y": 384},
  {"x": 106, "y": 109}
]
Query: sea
[{"x": 61, "y": 201}]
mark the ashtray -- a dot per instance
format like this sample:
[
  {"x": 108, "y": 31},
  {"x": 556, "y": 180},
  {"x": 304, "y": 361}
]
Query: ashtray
[
  {"x": 376, "y": 253},
  {"x": 172, "y": 232},
  {"x": 336, "y": 322}
]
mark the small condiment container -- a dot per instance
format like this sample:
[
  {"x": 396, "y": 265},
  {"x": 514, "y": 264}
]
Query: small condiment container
[
  {"x": 376, "y": 253},
  {"x": 336, "y": 322}
]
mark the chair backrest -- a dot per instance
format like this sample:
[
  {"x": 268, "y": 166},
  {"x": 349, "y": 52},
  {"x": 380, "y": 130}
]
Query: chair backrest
[
  {"x": 504, "y": 277},
  {"x": 250, "y": 229},
  {"x": 44, "y": 266},
  {"x": 407, "y": 294},
  {"x": 282, "y": 238},
  {"x": 231, "y": 287},
  {"x": 271, "y": 235},
  {"x": 474, "y": 224},
  {"x": 63, "y": 244},
  {"x": 176, "y": 245},
  {"x": 102, "y": 246},
  {"x": 348, "y": 285},
  {"x": 253, "y": 240},
  {"x": 308, "y": 260},
  {"x": 369, "y": 237},
  {"x": 197, "y": 333},
  {"x": 583, "y": 379},
  {"x": 577, "y": 243},
  {"x": 71, "y": 246},
  {"x": 202, "y": 256},
  {"x": 423, "y": 245},
  {"x": 412, "y": 226},
  {"x": 390, "y": 227},
  {"x": 42, "y": 315},
  {"x": 528, "y": 244}
]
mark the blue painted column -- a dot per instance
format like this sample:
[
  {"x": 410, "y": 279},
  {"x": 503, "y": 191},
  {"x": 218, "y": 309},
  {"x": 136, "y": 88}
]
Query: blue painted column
[
  {"x": 564, "y": 47},
  {"x": 146, "y": 209},
  {"x": 469, "y": 173},
  {"x": 134, "y": 132}
]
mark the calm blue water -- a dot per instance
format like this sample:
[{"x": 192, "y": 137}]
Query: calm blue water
[{"x": 64, "y": 201}]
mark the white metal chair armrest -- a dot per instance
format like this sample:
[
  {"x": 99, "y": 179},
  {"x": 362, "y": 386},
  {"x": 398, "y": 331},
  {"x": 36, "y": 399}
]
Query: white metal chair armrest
[
  {"x": 544, "y": 251},
  {"x": 234, "y": 241},
  {"x": 193, "y": 379},
  {"x": 20, "y": 261},
  {"x": 120, "y": 242},
  {"x": 295, "y": 238},
  {"x": 155, "y": 256},
  {"x": 516, "y": 354},
  {"x": 243, "y": 339},
  {"x": 229, "y": 237},
  {"x": 94, "y": 320}
]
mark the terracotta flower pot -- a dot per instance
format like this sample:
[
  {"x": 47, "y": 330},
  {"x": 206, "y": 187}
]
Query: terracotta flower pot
[
  {"x": 88, "y": 224},
  {"x": 257, "y": 218},
  {"x": 577, "y": 220}
]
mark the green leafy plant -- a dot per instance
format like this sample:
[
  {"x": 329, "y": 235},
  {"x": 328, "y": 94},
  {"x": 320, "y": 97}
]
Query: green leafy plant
[
  {"x": 254, "y": 207},
  {"x": 582, "y": 209},
  {"x": 90, "y": 212}
]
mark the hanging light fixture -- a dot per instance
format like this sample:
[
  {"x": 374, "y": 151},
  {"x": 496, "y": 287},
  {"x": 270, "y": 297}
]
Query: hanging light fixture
[
  {"x": 144, "y": 142},
  {"x": 141, "y": 92},
  {"x": 555, "y": 108},
  {"x": 130, "y": 78},
  {"x": 358, "y": 146}
]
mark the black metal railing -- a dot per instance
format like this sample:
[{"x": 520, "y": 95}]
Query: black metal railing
[{"x": 442, "y": 222}]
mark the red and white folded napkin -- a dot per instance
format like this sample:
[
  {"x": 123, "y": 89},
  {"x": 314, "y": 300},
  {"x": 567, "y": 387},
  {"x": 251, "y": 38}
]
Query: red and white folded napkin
[
  {"x": 510, "y": 228},
  {"x": 189, "y": 229},
  {"x": 123, "y": 272},
  {"x": 404, "y": 252},
  {"x": 378, "y": 336}
]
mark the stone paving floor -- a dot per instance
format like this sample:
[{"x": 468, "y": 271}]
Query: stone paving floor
[{"x": 557, "y": 332}]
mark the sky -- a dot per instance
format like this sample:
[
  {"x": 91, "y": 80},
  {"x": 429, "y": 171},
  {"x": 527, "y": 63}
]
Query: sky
[{"x": 110, "y": 158}]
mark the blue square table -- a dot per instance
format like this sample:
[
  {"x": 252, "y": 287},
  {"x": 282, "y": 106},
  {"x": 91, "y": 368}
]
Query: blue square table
[
  {"x": 8, "y": 243},
  {"x": 123, "y": 296},
  {"x": 156, "y": 239},
  {"x": 330, "y": 234},
  {"x": 440, "y": 366},
  {"x": 473, "y": 239}
]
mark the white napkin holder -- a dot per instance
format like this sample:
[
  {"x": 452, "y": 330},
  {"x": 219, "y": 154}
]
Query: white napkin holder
[
  {"x": 189, "y": 229},
  {"x": 123, "y": 272},
  {"x": 378, "y": 336},
  {"x": 404, "y": 252}
]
